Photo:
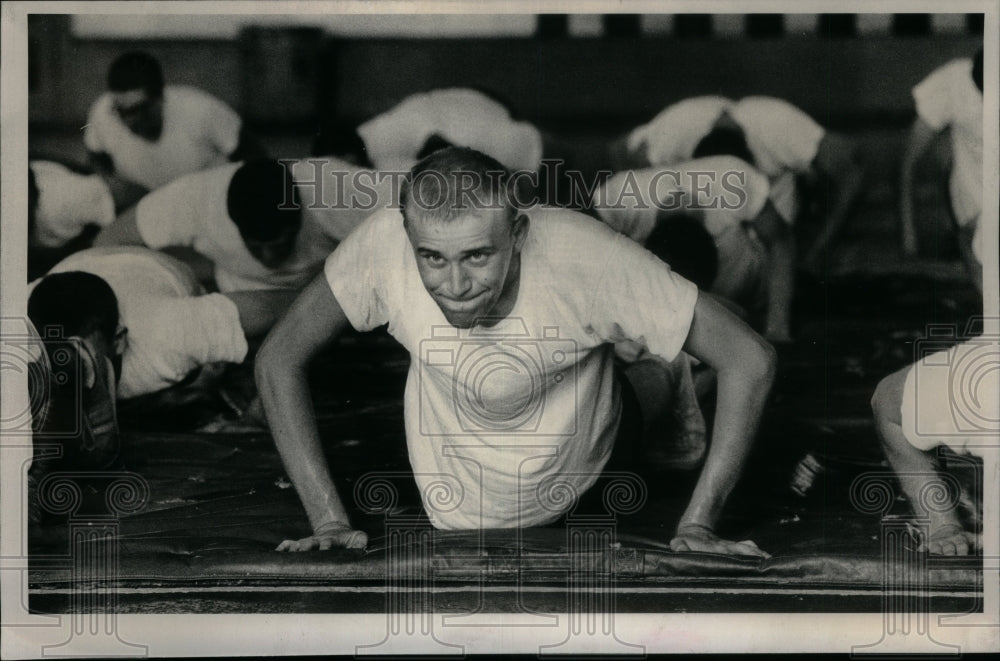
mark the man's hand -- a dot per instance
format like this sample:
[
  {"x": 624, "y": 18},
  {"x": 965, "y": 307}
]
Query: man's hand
[
  {"x": 701, "y": 539},
  {"x": 328, "y": 536},
  {"x": 952, "y": 540}
]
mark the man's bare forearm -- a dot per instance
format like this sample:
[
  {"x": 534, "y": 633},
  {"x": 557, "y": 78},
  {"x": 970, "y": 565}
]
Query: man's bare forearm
[
  {"x": 742, "y": 392},
  {"x": 314, "y": 319},
  {"x": 745, "y": 365},
  {"x": 288, "y": 405}
]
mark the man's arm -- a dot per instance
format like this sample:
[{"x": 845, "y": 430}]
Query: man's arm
[
  {"x": 259, "y": 310},
  {"x": 780, "y": 242},
  {"x": 249, "y": 147},
  {"x": 836, "y": 160},
  {"x": 123, "y": 232},
  {"x": 919, "y": 139},
  {"x": 966, "y": 238},
  {"x": 745, "y": 366},
  {"x": 313, "y": 320}
]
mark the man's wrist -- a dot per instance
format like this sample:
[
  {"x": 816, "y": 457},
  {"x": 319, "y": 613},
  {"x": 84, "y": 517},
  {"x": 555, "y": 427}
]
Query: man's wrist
[
  {"x": 331, "y": 526},
  {"x": 693, "y": 527}
]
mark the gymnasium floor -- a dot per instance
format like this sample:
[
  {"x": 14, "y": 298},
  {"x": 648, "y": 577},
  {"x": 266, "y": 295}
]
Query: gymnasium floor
[{"x": 219, "y": 501}]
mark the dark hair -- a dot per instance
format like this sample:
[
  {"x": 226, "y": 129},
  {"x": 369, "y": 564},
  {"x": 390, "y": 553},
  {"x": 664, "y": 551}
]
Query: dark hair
[
  {"x": 724, "y": 141},
  {"x": 683, "y": 242},
  {"x": 433, "y": 143},
  {"x": 437, "y": 183},
  {"x": 136, "y": 70},
  {"x": 74, "y": 303},
  {"x": 261, "y": 200},
  {"x": 977, "y": 69}
]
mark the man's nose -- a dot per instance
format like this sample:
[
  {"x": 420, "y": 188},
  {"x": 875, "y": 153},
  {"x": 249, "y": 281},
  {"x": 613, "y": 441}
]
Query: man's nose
[{"x": 458, "y": 281}]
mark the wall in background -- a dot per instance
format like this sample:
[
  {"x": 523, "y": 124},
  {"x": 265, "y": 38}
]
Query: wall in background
[{"x": 841, "y": 72}]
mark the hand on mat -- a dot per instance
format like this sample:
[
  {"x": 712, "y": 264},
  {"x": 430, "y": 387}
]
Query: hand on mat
[
  {"x": 701, "y": 539},
  {"x": 328, "y": 536},
  {"x": 952, "y": 540}
]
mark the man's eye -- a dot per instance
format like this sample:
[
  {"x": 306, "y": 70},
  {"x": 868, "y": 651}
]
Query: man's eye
[
  {"x": 434, "y": 260},
  {"x": 478, "y": 258}
]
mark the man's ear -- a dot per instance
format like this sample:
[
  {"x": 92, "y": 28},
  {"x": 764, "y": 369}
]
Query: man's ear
[
  {"x": 521, "y": 225},
  {"x": 88, "y": 362},
  {"x": 121, "y": 341}
]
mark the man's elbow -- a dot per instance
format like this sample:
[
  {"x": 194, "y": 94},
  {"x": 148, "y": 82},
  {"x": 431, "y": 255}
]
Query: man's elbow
[
  {"x": 267, "y": 364},
  {"x": 762, "y": 363}
]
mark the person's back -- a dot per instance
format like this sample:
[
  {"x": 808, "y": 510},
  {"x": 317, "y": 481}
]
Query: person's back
[
  {"x": 63, "y": 203},
  {"x": 672, "y": 135},
  {"x": 264, "y": 224},
  {"x": 455, "y": 117},
  {"x": 173, "y": 326}
]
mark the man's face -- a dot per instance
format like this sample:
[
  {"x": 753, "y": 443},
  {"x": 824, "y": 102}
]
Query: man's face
[
  {"x": 140, "y": 112},
  {"x": 275, "y": 252},
  {"x": 470, "y": 265}
]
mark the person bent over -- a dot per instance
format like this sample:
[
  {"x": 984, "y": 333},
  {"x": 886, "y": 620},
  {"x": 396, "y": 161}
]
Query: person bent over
[
  {"x": 147, "y": 133},
  {"x": 928, "y": 405},
  {"x": 951, "y": 97},
  {"x": 727, "y": 197},
  {"x": 134, "y": 322},
  {"x": 460, "y": 267},
  {"x": 262, "y": 224},
  {"x": 800, "y": 158}
]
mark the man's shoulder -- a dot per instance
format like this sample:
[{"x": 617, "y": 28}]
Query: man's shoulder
[
  {"x": 187, "y": 98},
  {"x": 115, "y": 260},
  {"x": 101, "y": 111},
  {"x": 950, "y": 73},
  {"x": 208, "y": 179},
  {"x": 383, "y": 227},
  {"x": 961, "y": 66},
  {"x": 189, "y": 192},
  {"x": 564, "y": 230}
]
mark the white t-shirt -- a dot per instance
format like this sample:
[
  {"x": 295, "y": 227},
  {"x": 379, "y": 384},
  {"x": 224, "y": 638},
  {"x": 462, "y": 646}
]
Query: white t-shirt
[
  {"x": 172, "y": 328},
  {"x": 495, "y": 416},
  {"x": 199, "y": 132},
  {"x": 191, "y": 211},
  {"x": 463, "y": 117},
  {"x": 68, "y": 202},
  {"x": 948, "y": 97},
  {"x": 722, "y": 191},
  {"x": 672, "y": 135},
  {"x": 783, "y": 139}
]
